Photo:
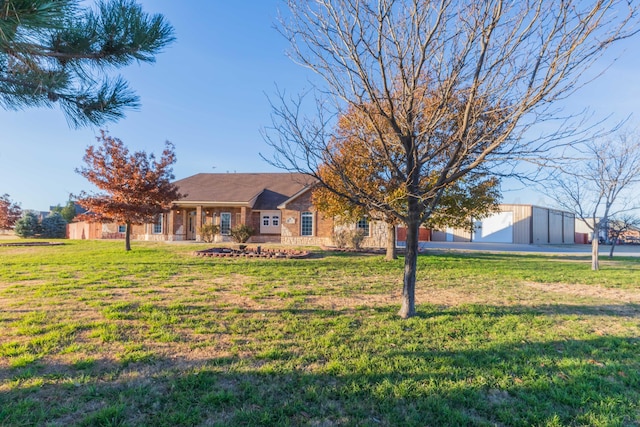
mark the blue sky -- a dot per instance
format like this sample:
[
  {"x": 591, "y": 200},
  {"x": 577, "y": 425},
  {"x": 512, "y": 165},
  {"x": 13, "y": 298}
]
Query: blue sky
[{"x": 207, "y": 93}]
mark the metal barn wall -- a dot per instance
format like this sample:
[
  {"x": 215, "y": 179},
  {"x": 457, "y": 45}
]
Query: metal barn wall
[
  {"x": 521, "y": 227},
  {"x": 550, "y": 226},
  {"x": 438, "y": 236},
  {"x": 460, "y": 235},
  {"x": 569, "y": 228},
  {"x": 584, "y": 227},
  {"x": 539, "y": 225},
  {"x": 531, "y": 225},
  {"x": 496, "y": 228},
  {"x": 450, "y": 235},
  {"x": 555, "y": 226},
  {"x": 521, "y": 222}
]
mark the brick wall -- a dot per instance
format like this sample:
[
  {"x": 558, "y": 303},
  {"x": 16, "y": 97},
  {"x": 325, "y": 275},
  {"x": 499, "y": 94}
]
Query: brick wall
[
  {"x": 84, "y": 230},
  {"x": 322, "y": 226},
  {"x": 253, "y": 220}
]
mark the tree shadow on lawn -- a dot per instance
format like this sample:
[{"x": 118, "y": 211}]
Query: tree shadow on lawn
[
  {"x": 591, "y": 381},
  {"x": 213, "y": 317},
  {"x": 623, "y": 310},
  {"x": 527, "y": 256},
  {"x": 425, "y": 311}
]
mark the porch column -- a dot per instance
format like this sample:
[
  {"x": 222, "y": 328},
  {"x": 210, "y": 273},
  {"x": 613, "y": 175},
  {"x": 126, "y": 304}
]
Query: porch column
[
  {"x": 169, "y": 231},
  {"x": 215, "y": 220},
  {"x": 198, "y": 223},
  {"x": 185, "y": 225}
]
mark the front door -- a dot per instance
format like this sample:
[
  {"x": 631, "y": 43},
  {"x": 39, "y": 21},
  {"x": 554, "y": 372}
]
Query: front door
[{"x": 191, "y": 226}]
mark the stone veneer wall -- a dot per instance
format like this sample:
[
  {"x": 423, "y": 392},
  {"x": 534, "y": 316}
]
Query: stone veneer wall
[
  {"x": 275, "y": 238},
  {"x": 306, "y": 241},
  {"x": 377, "y": 237},
  {"x": 377, "y": 234}
]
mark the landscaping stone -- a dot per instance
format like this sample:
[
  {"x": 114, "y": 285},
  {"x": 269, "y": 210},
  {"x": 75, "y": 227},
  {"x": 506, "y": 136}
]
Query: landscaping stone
[{"x": 258, "y": 252}]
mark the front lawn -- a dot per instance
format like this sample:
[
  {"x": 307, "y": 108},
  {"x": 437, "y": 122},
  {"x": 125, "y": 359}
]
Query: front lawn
[{"x": 93, "y": 335}]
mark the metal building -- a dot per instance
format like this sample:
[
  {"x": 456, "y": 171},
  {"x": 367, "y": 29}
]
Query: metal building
[{"x": 524, "y": 224}]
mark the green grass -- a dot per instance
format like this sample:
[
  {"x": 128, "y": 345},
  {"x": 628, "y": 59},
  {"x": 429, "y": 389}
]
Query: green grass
[{"x": 95, "y": 336}]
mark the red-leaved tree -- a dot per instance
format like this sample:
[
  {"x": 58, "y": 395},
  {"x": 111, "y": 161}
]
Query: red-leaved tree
[
  {"x": 135, "y": 187},
  {"x": 10, "y": 212}
]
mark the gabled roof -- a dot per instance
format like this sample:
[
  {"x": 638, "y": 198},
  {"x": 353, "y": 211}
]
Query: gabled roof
[
  {"x": 259, "y": 191},
  {"x": 283, "y": 204}
]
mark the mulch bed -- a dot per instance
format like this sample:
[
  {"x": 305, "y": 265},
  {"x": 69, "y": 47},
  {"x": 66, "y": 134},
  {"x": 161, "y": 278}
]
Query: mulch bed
[
  {"x": 253, "y": 253},
  {"x": 373, "y": 251},
  {"x": 32, "y": 244}
]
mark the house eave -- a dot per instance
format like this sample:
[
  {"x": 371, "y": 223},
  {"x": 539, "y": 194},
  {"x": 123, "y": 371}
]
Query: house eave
[
  {"x": 283, "y": 205},
  {"x": 210, "y": 204}
]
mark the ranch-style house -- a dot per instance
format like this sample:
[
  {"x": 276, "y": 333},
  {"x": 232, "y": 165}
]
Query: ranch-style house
[{"x": 279, "y": 208}]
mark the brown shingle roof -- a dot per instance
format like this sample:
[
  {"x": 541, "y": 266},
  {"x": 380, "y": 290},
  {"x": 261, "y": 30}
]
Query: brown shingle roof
[{"x": 257, "y": 190}]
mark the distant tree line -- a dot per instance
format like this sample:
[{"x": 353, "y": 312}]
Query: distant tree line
[
  {"x": 29, "y": 224},
  {"x": 53, "y": 226}
]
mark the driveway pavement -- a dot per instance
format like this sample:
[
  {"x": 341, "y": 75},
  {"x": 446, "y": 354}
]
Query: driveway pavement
[{"x": 620, "y": 250}]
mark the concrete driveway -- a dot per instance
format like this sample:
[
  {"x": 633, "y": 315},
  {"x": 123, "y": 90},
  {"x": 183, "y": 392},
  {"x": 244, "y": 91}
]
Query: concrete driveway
[{"x": 620, "y": 250}]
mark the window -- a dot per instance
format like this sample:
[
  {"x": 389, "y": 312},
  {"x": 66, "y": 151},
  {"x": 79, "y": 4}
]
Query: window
[
  {"x": 363, "y": 225},
  {"x": 306, "y": 224},
  {"x": 122, "y": 229},
  {"x": 157, "y": 226},
  {"x": 225, "y": 223},
  {"x": 269, "y": 222}
]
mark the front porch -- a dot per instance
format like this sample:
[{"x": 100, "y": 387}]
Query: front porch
[{"x": 184, "y": 222}]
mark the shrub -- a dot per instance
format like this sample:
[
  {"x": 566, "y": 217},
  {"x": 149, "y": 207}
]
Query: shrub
[
  {"x": 355, "y": 239},
  {"x": 54, "y": 226},
  {"x": 208, "y": 232},
  {"x": 348, "y": 238},
  {"x": 340, "y": 238},
  {"x": 28, "y": 225},
  {"x": 241, "y": 233}
]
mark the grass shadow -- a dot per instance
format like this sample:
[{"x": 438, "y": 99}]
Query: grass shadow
[{"x": 567, "y": 382}]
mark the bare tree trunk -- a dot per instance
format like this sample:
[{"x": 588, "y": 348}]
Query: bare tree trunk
[
  {"x": 127, "y": 237},
  {"x": 391, "y": 243},
  {"x": 408, "y": 308},
  {"x": 613, "y": 246},
  {"x": 414, "y": 211},
  {"x": 595, "y": 244}
]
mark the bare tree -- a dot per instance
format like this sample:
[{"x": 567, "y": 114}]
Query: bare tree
[
  {"x": 618, "y": 226},
  {"x": 596, "y": 183},
  {"x": 458, "y": 83}
]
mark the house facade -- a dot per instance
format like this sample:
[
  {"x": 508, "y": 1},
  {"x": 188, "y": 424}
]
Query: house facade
[
  {"x": 279, "y": 208},
  {"x": 276, "y": 205}
]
